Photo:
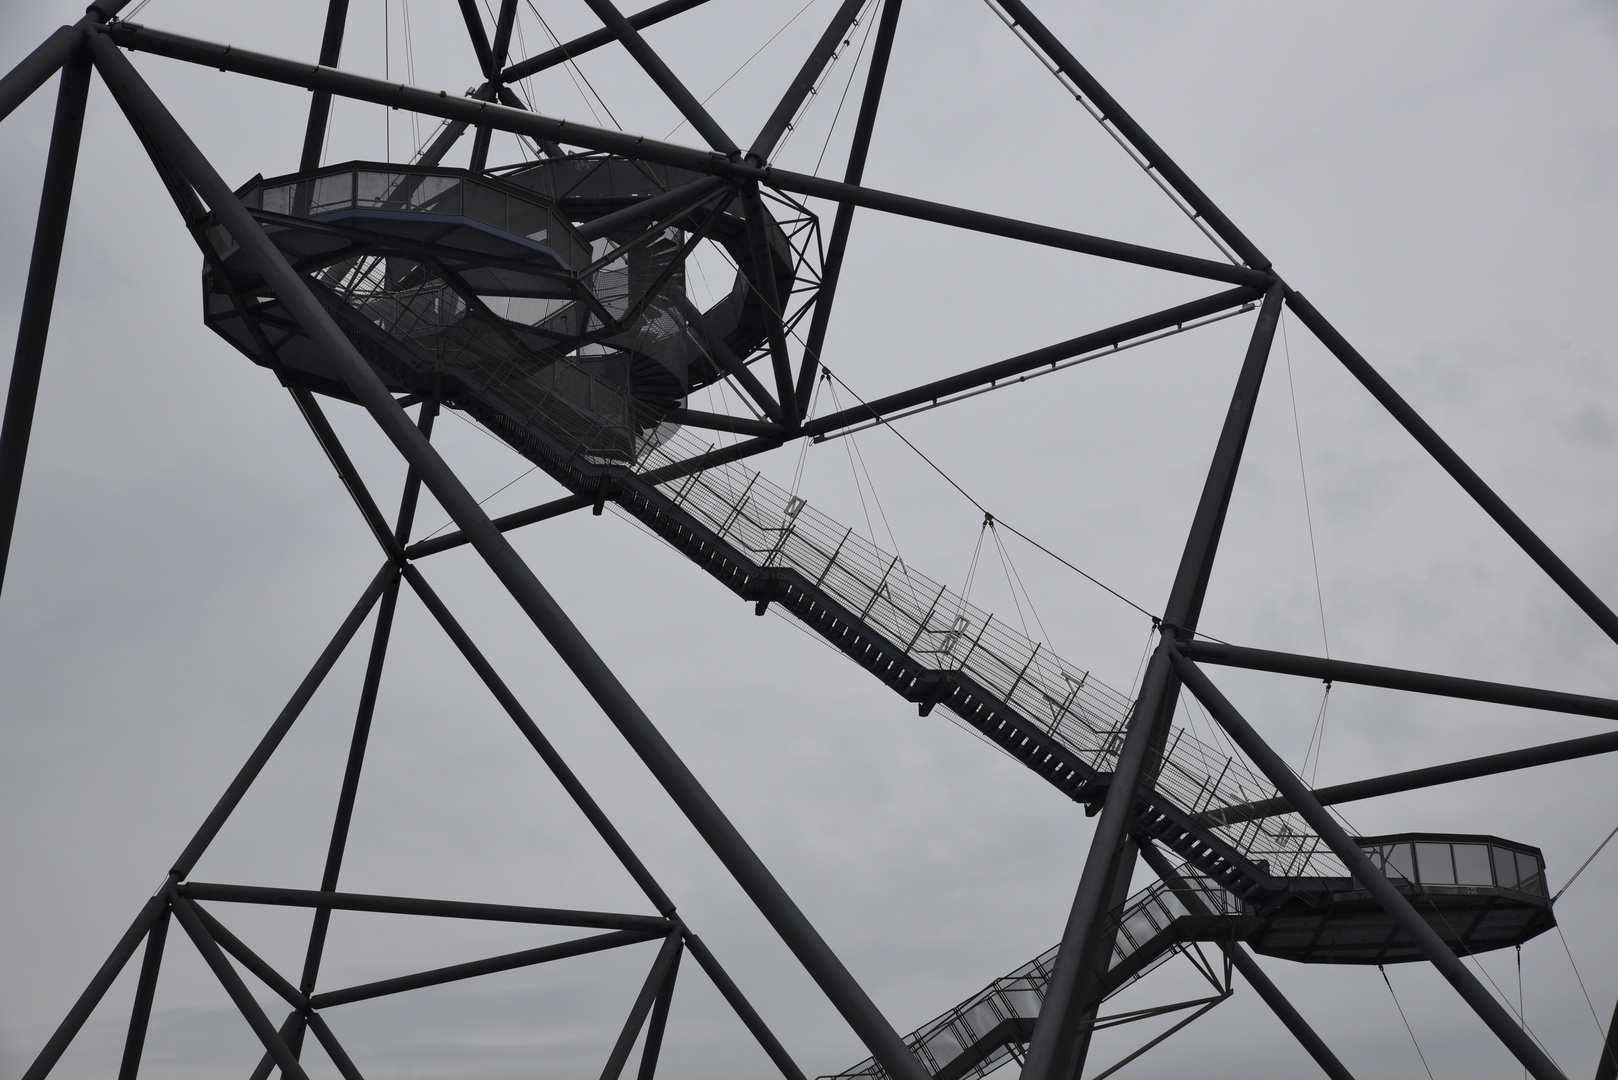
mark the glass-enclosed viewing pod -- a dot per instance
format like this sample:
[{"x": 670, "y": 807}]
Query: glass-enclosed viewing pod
[
  {"x": 1478, "y": 892},
  {"x": 539, "y": 298}
]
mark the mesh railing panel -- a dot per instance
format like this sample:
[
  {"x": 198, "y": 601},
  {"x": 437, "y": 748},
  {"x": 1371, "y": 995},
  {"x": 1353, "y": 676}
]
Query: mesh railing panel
[
  {"x": 990, "y": 1024},
  {"x": 943, "y": 631}
]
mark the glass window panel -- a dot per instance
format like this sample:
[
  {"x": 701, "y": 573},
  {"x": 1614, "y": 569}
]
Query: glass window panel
[
  {"x": 1433, "y": 865},
  {"x": 1528, "y": 875},
  {"x": 1398, "y": 862},
  {"x": 1472, "y": 865},
  {"x": 1505, "y": 867}
]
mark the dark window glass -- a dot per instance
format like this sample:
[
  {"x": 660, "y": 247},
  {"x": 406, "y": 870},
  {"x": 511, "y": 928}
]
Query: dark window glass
[
  {"x": 1505, "y": 867},
  {"x": 1528, "y": 875},
  {"x": 1433, "y": 866},
  {"x": 1472, "y": 865},
  {"x": 1399, "y": 865}
]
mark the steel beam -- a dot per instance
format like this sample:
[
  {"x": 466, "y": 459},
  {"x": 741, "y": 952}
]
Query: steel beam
[
  {"x": 39, "y": 295},
  {"x": 1421, "y": 682},
  {"x": 1143, "y": 143},
  {"x": 369, "y": 689},
  {"x": 1383, "y": 891},
  {"x": 141, "y": 1013},
  {"x": 409, "y": 905},
  {"x": 1029, "y": 361},
  {"x": 506, "y": 962},
  {"x": 33, "y": 70},
  {"x": 542, "y": 746},
  {"x": 1514, "y": 526},
  {"x": 543, "y": 512},
  {"x": 214, "y": 957},
  {"x": 652, "y": 1048},
  {"x": 331, "y": 47},
  {"x": 537, "y": 126},
  {"x": 1196, "y": 561},
  {"x": 781, "y": 119},
  {"x": 1244, "y": 962},
  {"x": 831, "y": 269},
  {"x": 1433, "y": 775},
  {"x": 741, "y": 425},
  {"x": 650, "y": 992},
  {"x": 743, "y": 1008},
  {"x": 764, "y": 285},
  {"x": 673, "y": 89},
  {"x": 150, "y": 912},
  {"x": 479, "y": 36},
  {"x": 676, "y": 778},
  {"x": 278, "y": 730},
  {"x": 251, "y": 960},
  {"x": 577, "y": 47},
  {"x": 1058, "y": 1045},
  {"x": 334, "y": 1049},
  {"x": 497, "y": 60}
]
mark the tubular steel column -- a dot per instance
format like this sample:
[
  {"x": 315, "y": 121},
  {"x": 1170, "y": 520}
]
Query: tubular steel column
[
  {"x": 362, "y": 724},
  {"x": 1054, "y": 1050},
  {"x": 832, "y": 268},
  {"x": 632, "y": 722},
  {"x": 141, "y": 1013},
  {"x": 331, "y": 47},
  {"x": 1383, "y": 891},
  {"x": 40, "y": 295}
]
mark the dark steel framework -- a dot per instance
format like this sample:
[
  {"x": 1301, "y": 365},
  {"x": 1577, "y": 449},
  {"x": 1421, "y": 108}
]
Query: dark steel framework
[{"x": 1058, "y": 1042}]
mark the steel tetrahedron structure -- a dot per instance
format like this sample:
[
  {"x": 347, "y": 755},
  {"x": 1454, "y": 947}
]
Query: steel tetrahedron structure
[{"x": 547, "y": 300}]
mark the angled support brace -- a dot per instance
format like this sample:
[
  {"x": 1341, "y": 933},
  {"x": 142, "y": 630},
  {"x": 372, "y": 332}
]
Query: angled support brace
[
  {"x": 1143, "y": 143},
  {"x": 781, "y": 119},
  {"x": 1383, "y": 891},
  {"x": 577, "y": 47},
  {"x": 1416, "y": 779},
  {"x": 214, "y": 957},
  {"x": 369, "y": 689},
  {"x": 145, "y": 989},
  {"x": 651, "y": 992},
  {"x": 764, "y": 284},
  {"x": 331, "y": 47},
  {"x": 39, "y": 296},
  {"x": 666, "y": 81},
  {"x": 1250, "y": 970},
  {"x": 497, "y": 60},
  {"x": 831, "y": 270},
  {"x": 1514, "y": 526},
  {"x": 822, "y": 964}
]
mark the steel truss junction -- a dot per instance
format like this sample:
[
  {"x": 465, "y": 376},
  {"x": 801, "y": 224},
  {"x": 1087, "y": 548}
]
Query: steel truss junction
[{"x": 396, "y": 287}]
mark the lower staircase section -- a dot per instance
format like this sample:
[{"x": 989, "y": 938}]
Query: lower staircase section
[{"x": 978, "y": 1035}]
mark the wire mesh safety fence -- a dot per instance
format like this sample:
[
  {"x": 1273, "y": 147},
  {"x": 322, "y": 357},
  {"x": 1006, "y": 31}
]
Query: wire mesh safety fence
[
  {"x": 943, "y": 631},
  {"x": 977, "y": 1036}
]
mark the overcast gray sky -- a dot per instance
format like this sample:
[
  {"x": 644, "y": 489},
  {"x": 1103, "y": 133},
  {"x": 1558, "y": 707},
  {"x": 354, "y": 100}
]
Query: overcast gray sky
[{"x": 1441, "y": 180}]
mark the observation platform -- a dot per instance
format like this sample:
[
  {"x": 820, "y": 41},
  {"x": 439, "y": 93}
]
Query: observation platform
[{"x": 554, "y": 291}]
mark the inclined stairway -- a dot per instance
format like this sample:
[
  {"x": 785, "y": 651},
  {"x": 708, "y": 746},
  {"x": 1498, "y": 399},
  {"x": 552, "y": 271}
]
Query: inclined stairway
[{"x": 977, "y": 1036}]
